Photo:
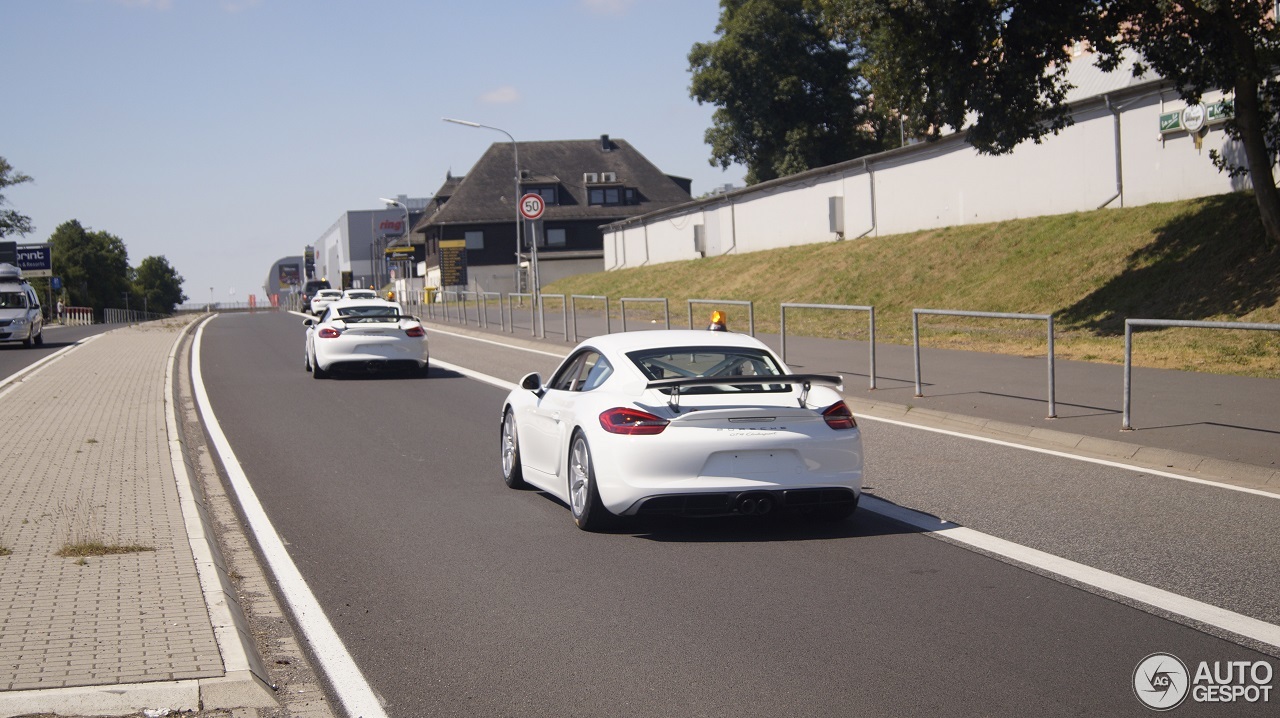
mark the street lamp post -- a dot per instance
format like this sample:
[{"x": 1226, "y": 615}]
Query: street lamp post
[{"x": 533, "y": 256}]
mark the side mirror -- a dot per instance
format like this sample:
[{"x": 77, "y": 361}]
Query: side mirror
[
  {"x": 308, "y": 322},
  {"x": 532, "y": 382}
]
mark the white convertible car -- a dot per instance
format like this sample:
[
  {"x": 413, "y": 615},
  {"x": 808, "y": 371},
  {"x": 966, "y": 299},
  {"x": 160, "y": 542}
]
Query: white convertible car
[
  {"x": 686, "y": 422},
  {"x": 365, "y": 335}
]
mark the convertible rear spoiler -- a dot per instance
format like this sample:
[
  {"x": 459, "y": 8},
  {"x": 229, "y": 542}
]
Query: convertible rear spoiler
[{"x": 805, "y": 380}]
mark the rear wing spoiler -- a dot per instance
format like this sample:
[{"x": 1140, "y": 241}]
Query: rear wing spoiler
[{"x": 804, "y": 380}]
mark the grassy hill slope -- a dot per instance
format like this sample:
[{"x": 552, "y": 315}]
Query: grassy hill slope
[{"x": 1201, "y": 259}]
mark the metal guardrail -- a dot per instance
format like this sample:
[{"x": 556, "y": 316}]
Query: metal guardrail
[
  {"x": 1047, "y": 318},
  {"x": 484, "y": 308},
  {"x": 751, "y": 310},
  {"x": 666, "y": 309},
  {"x": 573, "y": 311},
  {"x": 564, "y": 314},
  {"x": 782, "y": 330},
  {"x": 511, "y": 311},
  {"x": 1129, "y": 324}
]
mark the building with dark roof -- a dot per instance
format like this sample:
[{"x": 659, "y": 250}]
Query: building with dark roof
[{"x": 584, "y": 183}]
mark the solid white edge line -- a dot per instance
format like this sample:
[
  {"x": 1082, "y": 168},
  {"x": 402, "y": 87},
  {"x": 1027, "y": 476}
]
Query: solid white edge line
[
  {"x": 349, "y": 684},
  {"x": 1065, "y": 455},
  {"x": 36, "y": 366},
  {"x": 1205, "y": 613},
  {"x": 497, "y": 343},
  {"x": 501, "y": 383},
  {"x": 1192, "y": 609}
]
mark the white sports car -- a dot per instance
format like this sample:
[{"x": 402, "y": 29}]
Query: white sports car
[
  {"x": 688, "y": 422},
  {"x": 365, "y": 335},
  {"x": 323, "y": 298}
]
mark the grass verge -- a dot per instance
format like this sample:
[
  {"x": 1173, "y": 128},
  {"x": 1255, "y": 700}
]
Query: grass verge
[{"x": 1204, "y": 259}]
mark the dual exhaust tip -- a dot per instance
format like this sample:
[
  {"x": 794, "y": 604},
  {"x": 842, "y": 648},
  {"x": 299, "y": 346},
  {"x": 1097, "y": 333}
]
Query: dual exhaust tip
[{"x": 753, "y": 504}]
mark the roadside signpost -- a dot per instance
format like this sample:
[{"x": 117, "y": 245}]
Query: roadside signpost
[{"x": 531, "y": 208}]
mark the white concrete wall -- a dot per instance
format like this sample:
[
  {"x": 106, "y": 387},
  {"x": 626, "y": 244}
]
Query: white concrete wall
[{"x": 948, "y": 183}]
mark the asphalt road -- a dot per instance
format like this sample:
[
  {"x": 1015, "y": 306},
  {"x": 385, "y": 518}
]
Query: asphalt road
[{"x": 458, "y": 596}]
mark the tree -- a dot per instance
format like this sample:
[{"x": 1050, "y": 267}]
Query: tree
[
  {"x": 998, "y": 67},
  {"x": 10, "y": 221},
  {"x": 159, "y": 284},
  {"x": 94, "y": 266},
  {"x": 788, "y": 98}
]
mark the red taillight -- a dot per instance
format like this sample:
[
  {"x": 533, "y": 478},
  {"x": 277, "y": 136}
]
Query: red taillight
[
  {"x": 330, "y": 333},
  {"x": 838, "y": 416},
  {"x": 415, "y": 332},
  {"x": 632, "y": 421}
]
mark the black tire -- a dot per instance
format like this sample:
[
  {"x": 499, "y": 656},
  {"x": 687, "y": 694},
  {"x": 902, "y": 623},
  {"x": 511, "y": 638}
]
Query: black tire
[
  {"x": 317, "y": 372},
  {"x": 589, "y": 513},
  {"x": 512, "y": 472},
  {"x": 40, "y": 338},
  {"x": 306, "y": 361},
  {"x": 423, "y": 371}
]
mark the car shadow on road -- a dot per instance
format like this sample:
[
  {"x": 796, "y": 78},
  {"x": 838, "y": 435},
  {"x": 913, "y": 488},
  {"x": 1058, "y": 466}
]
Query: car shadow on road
[{"x": 754, "y": 529}]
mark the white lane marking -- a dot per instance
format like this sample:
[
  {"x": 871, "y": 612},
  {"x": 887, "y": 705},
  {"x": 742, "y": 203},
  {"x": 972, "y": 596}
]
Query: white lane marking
[
  {"x": 502, "y": 383},
  {"x": 1192, "y": 609},
  {"x": 495, "y": 343},
  {"x": 355, "y": 693},
  {"x": 1077, "y": 457},
  {"x": 1205, "y": 613},
  {"x": 36, "y": 366}
]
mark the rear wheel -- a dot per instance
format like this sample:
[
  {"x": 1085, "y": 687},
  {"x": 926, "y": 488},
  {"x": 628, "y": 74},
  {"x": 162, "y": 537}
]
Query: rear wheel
[
  {"x": 423, "y": 371},
  {"x": 317, "y": 372},
  {"x": 589, "y": 512},
  {"x": 512, "y": 473}
]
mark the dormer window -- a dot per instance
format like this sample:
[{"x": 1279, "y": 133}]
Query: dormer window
[
  {"x": 546, "y": 192},
  {"x": 610, "y": 195}
]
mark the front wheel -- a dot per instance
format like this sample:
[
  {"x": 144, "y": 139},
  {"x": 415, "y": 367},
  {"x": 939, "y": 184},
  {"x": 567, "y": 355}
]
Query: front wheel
[
  {"x": 512, "y": 472},
  {"x": 589, "y": 512},
  {"x": 39, "y": 340}
]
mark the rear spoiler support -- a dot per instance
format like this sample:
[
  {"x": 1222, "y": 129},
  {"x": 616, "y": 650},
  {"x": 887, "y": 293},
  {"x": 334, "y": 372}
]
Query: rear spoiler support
[{"x": 804, "y": 380}]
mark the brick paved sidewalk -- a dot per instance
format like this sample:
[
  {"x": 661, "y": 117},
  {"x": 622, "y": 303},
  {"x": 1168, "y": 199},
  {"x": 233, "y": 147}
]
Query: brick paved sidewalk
[{"x": 86, "y": 459}]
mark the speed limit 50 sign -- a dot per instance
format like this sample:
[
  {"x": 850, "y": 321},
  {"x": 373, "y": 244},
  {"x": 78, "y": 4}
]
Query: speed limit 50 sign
[{"x": 532, "y": 206}]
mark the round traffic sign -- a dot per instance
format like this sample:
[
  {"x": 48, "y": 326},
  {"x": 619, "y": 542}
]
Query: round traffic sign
[{"x": 531, "y": 206}]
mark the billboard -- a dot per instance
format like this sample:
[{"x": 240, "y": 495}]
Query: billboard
[
  {"x": 289, "y": 275},
  {"x": 35, "y": 260}
]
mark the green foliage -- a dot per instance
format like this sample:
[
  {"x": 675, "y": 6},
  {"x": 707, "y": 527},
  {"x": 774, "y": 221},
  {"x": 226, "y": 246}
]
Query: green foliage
[
  {"x": 94, "y": 266},
  {"x": 788, "y": 98},
  {"x": 998, "y": 68},
  {"x": 10, "y": 221},
  {"x": 159, "y": 284}
]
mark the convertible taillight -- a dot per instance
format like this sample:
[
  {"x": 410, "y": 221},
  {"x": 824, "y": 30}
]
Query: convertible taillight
[
  {"x": 415, "y": 332},
  {"x": 329, "y": 333},
  {"x": 838, "y": 416},
  {"x": 621, "y": 420}
]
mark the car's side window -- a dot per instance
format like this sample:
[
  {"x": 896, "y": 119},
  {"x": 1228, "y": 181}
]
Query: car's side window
[
  {"x": 568, "y": 374},
  {"x": 597, "y": 370}
]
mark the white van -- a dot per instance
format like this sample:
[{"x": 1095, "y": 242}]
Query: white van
[{"x": 20, "y": 317}]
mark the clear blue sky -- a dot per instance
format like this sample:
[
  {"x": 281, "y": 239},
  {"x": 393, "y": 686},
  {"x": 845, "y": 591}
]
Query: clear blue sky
[{"x": 226, "y": 134}]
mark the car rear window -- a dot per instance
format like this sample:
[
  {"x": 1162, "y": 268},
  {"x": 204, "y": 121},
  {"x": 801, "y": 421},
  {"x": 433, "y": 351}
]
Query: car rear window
[
  {"x": 369, "y": 314},
  {"x": 690, "y": 362}
]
